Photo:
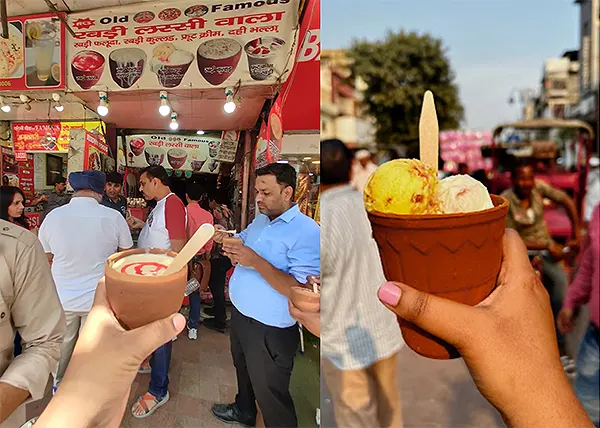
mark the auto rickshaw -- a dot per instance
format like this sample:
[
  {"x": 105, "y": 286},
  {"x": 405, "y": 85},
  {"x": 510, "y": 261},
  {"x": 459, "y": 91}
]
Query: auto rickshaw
[{"x": 560, "y": 151}]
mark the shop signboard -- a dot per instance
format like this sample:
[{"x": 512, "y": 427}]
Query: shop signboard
[
  {"x": 33, "y": 220},
  {"x": 46, "y": 136},
  {"x": 26, "y": 177},
  {"x": 301, "y": 92},
  {"x": 165, "y": 45},
  {"x": 33, "y": 56},
  {"x": 270, "y": 138},
  {"x": 228, "y": 146},
  {"x": 93, "y": 150},
  {"x": 10, "y": 168},
  {"x": 177, "y": 152}
]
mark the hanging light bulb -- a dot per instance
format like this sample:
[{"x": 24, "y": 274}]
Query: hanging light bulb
[
  {"x": 25, "y": 100},
  {"x": 200, "y": 132},
  {"x": 164, "y": 108},
  {"x": 3, "y": 106},
  {"x": 174, "y": 125},
  {"x": 229, "y": 105},
  {"x": 102, "y": 108},
  {"x": 59, "y": 107}
]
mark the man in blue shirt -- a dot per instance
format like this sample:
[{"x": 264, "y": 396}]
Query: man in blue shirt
[{"x": 280, "y": 249}]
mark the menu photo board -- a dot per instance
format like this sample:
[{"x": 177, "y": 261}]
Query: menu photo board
[
  {"x": 26, "y": 177},
  {"x": 33, "y": 56},
  {"x": 270, "y": 138},
  {"x": 10, "y": 168},
  {"x": 93, "y": 150},
  {"x": 46, "y": 136},
  {"x": 177, "y": 152},
  {"x": 182, "y": 43},
  {"x": 228, "y": 146}
]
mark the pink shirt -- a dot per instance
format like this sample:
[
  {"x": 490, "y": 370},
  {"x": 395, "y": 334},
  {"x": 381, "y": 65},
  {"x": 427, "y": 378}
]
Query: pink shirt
[
  {"x": 586, "y": 286},
  {"x": 197, "y": 216}
]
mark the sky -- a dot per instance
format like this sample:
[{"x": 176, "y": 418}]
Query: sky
[{"x": 494, "y": 46}]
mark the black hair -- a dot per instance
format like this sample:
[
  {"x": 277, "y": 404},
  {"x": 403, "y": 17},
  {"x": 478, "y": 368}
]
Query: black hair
[
  {"x": 156, "y": 171},
  {"x": 284, "y": 174},
  {"x": 60, "y": 180},
  {"x": 194, "y": 191},
  {"x": 518, "y": 163},
  {"x": 336, "y": 162},
  {"x": 7, "y": 195},
  {"x": 114, "y": 177}
]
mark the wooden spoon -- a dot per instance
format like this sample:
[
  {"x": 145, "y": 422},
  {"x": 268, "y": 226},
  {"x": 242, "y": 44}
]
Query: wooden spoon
[
  {"x": 429, "y": 132},
  {"x": 197, "y": 241}
]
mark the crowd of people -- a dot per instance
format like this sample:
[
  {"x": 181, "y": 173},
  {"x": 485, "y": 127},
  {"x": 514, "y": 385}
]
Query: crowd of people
[{"x": 59, "y": 306}]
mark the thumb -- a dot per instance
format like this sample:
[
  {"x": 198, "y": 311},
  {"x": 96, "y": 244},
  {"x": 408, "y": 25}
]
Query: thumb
[
  {"x": 441, "y": 317},
  {"x": 148, "y": 338}
]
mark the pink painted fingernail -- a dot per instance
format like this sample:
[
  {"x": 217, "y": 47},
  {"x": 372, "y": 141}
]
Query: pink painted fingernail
[{"x": 389, "y": 293}]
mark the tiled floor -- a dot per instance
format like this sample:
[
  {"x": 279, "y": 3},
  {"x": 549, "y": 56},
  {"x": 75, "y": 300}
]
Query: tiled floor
[{"x": 202, "y": 373}]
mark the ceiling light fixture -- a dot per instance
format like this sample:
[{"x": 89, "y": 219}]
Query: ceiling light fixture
[
  {"x": 174, "y": 125},
  {"x": 229, "y": 105},
  {"x": 3, "y": 106},
  {"x": 164, "y": 108},
  {"x": 102, "y": 108},
  {"x": 59, "y": 107},
  {"x": 200, "y": 132}
]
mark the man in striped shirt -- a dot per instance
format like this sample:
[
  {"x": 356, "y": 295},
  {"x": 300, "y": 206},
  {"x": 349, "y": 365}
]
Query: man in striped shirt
[{"x": 360, "y": 338}]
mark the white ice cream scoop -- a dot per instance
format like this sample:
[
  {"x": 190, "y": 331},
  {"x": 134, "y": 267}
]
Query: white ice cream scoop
[{"x": 463, "y": 194}]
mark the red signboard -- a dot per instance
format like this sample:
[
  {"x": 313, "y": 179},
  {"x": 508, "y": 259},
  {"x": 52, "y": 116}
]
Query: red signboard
[
  {"x": 93, "y": 151},
  {"x": 270, "y": 138},
  {"x": 39, "y": 137},
  {"x": 33, "y": 220},
  {"x": 26, "y": 181},
  {"x": 301, "y": 92},
  {"x": 33, "y": 56}
]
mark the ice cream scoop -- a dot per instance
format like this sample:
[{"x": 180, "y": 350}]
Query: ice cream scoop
[
  {"x": 402, "y": 186},
  {"x": 462, "y": 194}
]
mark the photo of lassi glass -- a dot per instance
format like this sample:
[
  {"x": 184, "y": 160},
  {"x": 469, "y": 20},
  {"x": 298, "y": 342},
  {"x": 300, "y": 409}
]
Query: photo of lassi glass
[{"x": 43, "y": 40}]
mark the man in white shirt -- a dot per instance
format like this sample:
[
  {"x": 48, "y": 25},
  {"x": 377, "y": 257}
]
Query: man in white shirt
[
  {"x": 78, "y": 238},
  {"x": 164, "y": 228},
  {"x": 362, "y": 169},
  {"x": 360, "y": 339}
]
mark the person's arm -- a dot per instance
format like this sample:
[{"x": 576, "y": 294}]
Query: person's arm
[
  {"x": 561, "y": 198},
  {"x": 38, "y": 317},
  {"x": 209, "y": 245},
  {"x": 508, "y": 342},
  {"x": 123, "y": 234},
  {"x": 10, "y": 399},
  {"x": 175, "y": 222},
  {"x": 579, "y": 291}
]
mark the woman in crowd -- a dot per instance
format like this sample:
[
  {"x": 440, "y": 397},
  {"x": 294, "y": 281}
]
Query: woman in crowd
[
  {"x": 12, "y": 206},
  {"x": 12, "y": 209}
]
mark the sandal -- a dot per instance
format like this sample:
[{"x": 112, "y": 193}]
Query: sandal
[{"x": 143, "y": 403}]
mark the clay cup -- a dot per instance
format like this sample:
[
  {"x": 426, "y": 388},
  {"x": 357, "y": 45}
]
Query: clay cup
[
  {"x": 455, "y": 256},
  {"x": 305, "y": 299},
  {"x": 140, "y": 300}
]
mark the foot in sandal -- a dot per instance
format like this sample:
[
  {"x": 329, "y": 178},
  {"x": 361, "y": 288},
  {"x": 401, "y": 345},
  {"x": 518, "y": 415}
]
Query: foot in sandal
[{"x": 147, "y": 404}]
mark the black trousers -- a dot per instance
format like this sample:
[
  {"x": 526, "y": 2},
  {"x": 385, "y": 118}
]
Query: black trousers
[
  {"x": 218, "y": 272},
  {"x": 264, "y": 358}
]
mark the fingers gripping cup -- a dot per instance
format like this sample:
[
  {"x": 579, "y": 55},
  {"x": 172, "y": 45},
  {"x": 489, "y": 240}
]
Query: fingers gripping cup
[
  {"x": 305, "y": 299},
  {"x": 137, "y": 290}
]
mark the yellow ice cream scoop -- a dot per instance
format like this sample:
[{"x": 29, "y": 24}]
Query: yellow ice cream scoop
[{"x": 402, "y": 186}]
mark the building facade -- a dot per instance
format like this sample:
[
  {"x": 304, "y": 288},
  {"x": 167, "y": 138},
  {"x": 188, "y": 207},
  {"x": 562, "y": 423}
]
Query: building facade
[
  {"x": 342, "y": 114},
  {"x": 589, "y": 58},
  {"x": 559, "y": 91}
]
